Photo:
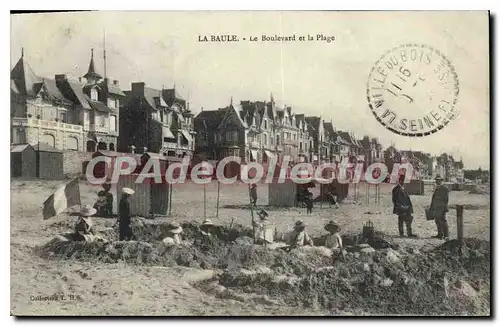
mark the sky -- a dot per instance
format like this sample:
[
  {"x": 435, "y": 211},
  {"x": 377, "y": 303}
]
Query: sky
[{"x": 314, "y": 78}]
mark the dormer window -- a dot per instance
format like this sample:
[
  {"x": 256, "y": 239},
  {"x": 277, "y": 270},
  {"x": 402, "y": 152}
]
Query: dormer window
[{"x": 93, "y": 94}]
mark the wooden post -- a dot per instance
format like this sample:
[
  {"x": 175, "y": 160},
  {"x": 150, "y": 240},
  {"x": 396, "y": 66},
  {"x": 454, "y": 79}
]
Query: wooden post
[
  {"x": 368, "y": 192},
  {"x": 321, "y": 195},
  {"x": 251, "y": 212},
  {"x": 460, "y": 226},
  {"x": 218, "y": 194},
  {"x": 204, "y": 201},
  {"x": 170, "y": 199}
]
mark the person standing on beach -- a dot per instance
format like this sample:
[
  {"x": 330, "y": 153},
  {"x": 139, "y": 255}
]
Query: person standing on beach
[
  {"x": 124, "y": 215},
  {"x": 253, "y": 194},
  {"x": 439, "y": 208},
  {"x": 403, "y": 207}
]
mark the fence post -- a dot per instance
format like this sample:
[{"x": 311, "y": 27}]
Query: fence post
[{"x": 460, "y": 226}]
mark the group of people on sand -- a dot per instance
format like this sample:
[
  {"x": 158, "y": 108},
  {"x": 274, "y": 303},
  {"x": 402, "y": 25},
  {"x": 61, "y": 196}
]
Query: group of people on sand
[
  {"x": 403, "y": 208},
  {"x": 83, "y": 229},
  {"x": 298, "y": 237},
  {"x": 264, "y": 233}
]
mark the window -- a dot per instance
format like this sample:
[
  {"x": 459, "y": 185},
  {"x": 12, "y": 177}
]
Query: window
[
  {"x": 232, "y": 136},
  {"x": 93, "y": 94},
  {"x": 63, "y": 117},
  {"x": 277, "y": 140},
  {"x": 265, "y": 139},
  {"x": 161, "y": 116},
  {"x": 300, "y": 145},
  {"x": 265, "y": 124},
  {"x": 112, "y": 123}
]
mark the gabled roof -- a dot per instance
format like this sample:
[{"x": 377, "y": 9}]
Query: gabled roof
[
  {"x": 299, "y": 118},
  {"x": 44, "y": 147},
  {"x": 24, "y": 78},
  {"x": 209, "y": 119},
  {"x": 53, "y": 91},
  {"x": 329, "y": 127},
  {"x": 77, "y": 91},
  {"x": 236, "y": 109},
  {"x": 150, "y": 94},
  {"x": 346, "y": 137},
  {"x": 310, "y": 129},
  {"x": 111, "y": 88},
  {"x": 13, "y": 87},
  {"x": 19, "y": 148},
  {"x": 171, "y": 96},
  {"x": 97, "y": 105},
  {"x": 314, "y": 122}
]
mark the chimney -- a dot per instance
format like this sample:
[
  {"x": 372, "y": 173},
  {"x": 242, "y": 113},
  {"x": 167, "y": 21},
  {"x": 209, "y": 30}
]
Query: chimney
[
  {"x": 132, "y": 149},
  {"x": 138, "y": 88},
  {"x": 115, "y": 82}
]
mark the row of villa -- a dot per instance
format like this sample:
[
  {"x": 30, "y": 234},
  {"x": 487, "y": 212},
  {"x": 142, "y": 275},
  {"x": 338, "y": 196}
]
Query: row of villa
[{"x": 96, "y": 114}]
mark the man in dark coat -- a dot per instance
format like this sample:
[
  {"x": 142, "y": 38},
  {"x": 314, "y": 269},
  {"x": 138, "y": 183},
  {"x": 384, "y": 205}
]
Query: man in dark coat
[
  {"x": 439, "y": 208},
  {"x": 253, "y": 194},
  {"x": 403, "y": 207},
  {"x": 124, "y": 215}
]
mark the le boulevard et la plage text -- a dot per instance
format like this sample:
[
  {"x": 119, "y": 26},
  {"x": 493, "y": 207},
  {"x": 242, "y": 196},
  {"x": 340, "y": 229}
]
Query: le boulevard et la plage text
[{"x": 231, "y": 38}]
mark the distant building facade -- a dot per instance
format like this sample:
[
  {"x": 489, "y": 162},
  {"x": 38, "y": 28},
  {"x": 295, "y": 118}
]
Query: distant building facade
[
  {"x": 157, "y": 121},
  {"x": 64, "y": 113}
]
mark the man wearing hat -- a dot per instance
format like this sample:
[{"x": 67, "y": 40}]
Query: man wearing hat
[
  {"x": 299, "y": 237},
  {"x": 333, "y": 240},
  {"x": 403, "y": 207},
  {"x": 439, "y": 208},
  {"x": 124, "y": 215},
  {"x": 264, "y": 232},
  {"x": 173, "y": 234},
  {"x": 84, "y": 223}
]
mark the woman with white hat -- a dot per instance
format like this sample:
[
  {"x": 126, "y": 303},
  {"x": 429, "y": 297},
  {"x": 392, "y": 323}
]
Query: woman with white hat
[
  {"x": 124, "y": 215},
  {"x": 333, "y": 240},
  {"x": 264, "y": 232},
  {"x": 173, "y": 234},
  {"x": 84, "y": 224},
  {"x": 207, "y": 227}
]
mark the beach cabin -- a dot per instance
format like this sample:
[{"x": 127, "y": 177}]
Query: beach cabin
[
  {"x": 49, "y": 162},
  {"x": 23, "y": 161}
]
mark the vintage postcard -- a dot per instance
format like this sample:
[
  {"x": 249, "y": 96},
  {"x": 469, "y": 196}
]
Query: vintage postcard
[{"x": 304, "y": 163}]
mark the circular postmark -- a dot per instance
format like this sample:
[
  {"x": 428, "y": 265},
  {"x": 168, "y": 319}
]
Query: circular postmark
[{"x": 412, "y": 90}]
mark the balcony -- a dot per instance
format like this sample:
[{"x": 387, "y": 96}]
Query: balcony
[
  {"x": 254, "y": 144},
  {"x": 103, "y": 128},
  {"x": 290, "y": 142},
  {"x": 35, "y": 123}
]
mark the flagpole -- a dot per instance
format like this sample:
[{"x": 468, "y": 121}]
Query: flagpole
[{"x": 218, "y": 195}]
